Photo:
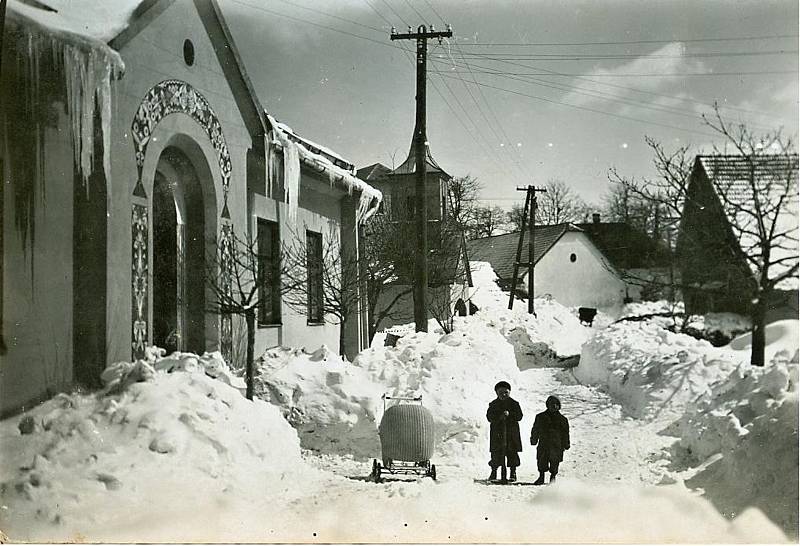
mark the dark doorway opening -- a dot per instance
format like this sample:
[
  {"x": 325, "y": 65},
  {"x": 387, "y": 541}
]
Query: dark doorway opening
[
  {"x": 165, "y": 265},
  {"x": 179, "y": 255}
]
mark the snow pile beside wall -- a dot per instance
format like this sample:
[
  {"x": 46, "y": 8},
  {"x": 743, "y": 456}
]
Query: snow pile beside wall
[
  {"x": 332, "y": 404},
  {"x": 652, "y": 372},
  {"x": 170, "y": 447},
  {"x": 454, "y": 373},
  {"x": 548, "y": 339}
]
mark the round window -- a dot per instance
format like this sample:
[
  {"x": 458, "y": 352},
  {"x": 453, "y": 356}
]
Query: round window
[
  {"x": 188, "y": 52},
  {"x": 573, "y": 258}
]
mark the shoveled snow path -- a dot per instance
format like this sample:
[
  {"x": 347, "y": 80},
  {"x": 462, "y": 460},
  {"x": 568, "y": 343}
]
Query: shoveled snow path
[{"x": 607, "y": 447}]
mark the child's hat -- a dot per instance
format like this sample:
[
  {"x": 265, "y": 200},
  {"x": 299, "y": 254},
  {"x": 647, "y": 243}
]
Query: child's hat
[{"x": 503, "y": 385}]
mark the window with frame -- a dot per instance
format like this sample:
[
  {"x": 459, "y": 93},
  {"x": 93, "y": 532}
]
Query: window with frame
[
  {"x": 269, "y": 280},
  {"x": 314, "y": 269}
]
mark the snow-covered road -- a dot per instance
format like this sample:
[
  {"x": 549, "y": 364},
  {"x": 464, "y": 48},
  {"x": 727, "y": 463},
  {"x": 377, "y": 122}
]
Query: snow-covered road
[{"x": 608, "y": 448}]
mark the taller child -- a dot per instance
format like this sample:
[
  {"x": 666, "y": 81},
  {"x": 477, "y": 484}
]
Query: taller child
[{"x": 504, "y": 414}]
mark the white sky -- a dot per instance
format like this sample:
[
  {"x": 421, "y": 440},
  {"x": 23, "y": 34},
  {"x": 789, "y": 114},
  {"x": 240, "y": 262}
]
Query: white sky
[{"x": 356, "y": 94}]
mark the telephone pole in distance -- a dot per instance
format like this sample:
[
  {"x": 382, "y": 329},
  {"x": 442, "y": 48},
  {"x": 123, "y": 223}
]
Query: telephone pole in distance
[{"x": 422, "y": 36}]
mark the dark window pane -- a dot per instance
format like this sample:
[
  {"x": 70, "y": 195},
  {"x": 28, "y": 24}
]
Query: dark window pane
[
  {"x": 314, "y": 268},
  {"x": 269, "y": 295}
]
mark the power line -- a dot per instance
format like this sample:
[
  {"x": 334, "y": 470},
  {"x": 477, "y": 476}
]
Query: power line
[
  {"x": 630, "y": 42},
  {"x": 410, "y": 57},
  {"x": 637, "y": 75},
  {"x": 318, "y": 25},
  {"x": 587, "y": 109},
  {"x": 617, "y": 86},
  {"x": 422, "y": 17},
  {"x": 602, "y": 95},
  {"x": 512, "y": 156},
  {"x": 619, "y": 56},
  {"x": 346, "y": 20}
]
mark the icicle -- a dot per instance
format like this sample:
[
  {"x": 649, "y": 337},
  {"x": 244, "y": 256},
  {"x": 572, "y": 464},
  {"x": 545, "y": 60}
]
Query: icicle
[
  {"x": 104, "y": 98},
  {"x": 291, "y": 170},
  {"x": 291, "y": 178}
]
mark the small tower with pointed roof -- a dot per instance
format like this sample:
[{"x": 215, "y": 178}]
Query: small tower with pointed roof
[{"x": 397, "y": 186}]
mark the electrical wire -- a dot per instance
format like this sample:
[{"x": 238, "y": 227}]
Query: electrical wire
[
  {"x": 618, "y": 86},
  {"x": 631, "y": 42}
]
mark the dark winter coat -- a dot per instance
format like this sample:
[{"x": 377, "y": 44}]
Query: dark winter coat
[
  {"x": 551, "y": 432},
  {"x": 504, "y": 431}
]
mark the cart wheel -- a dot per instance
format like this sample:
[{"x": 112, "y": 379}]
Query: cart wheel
[{"x": 432, "y": 472}]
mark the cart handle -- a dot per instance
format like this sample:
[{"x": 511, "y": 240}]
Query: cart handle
[{"x": 410, "y": 398}]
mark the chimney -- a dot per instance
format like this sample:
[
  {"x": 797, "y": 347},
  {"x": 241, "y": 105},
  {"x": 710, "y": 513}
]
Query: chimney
[{"x": 596, "y": 218}]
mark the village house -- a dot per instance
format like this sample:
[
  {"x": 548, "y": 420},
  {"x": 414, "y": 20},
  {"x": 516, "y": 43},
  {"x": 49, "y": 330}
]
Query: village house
[
  {"x": 449, "y": 276},
  {"x": 715, "y": 272},
  {"x": 597, "y": 264},
  {"x": 134, "y": 147}
]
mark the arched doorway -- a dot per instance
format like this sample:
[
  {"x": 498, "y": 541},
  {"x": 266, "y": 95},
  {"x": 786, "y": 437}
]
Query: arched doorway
[{"x": 179, "y": 254}]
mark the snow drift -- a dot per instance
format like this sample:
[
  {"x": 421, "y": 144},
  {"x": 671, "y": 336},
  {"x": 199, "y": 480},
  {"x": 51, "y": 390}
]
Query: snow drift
[{"x": 162, "y": 426}]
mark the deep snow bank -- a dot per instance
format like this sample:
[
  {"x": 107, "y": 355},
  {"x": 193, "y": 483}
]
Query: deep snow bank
[
  {"x": 652, "y": 372},
  {"x": 332, "y": 404},
  {"x": 736, "y": 424},
  {"x": 747, "y": 425},
  {"x": 336, "y": 406},
  {"x": 168, "y": 446},
  {"x": 454, "y": 373}
]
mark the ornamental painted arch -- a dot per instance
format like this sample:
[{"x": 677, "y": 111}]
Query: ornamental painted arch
[{"x": 166, "y": 98}]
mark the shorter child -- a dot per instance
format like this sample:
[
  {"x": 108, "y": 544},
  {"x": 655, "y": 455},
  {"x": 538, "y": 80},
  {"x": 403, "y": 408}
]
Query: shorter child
[{"x": 551, "y": 431}]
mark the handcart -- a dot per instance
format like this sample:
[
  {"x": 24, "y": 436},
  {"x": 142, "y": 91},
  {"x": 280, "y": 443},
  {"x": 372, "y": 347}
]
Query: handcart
[{"x": 407, "y": 439}]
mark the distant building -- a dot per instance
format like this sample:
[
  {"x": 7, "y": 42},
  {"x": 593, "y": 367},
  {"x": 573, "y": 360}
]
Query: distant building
[
  {"x": 131, "y": 150},
  {"x": 398, "y": 187},
  {"x": 597, "y": 264},
  {"x": 715, "y": 272}
]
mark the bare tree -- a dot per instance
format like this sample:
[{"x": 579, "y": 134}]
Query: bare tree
[
  {"x": 388, "y": 250},
  {"x": 757, "y": 188},
  {"x": 242, "y": 277},
  {"x": 514, "y": 217},
  {"x": 653, "y": 204},
  {"x": 321, "y": 279},
  {"x": 462, "y": 197},
  {"x": 488, "y": 221},
  {"x": 558, "y": 204}
]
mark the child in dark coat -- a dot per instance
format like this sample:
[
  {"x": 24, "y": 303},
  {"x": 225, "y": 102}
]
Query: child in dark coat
[
  {"x": 551, "y": 431},
  {"x": 504, "y": 414}
]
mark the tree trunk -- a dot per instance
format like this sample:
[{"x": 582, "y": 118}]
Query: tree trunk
[
  {"x": 759, "y": 317},
  {"x": 341, "y": 338},
  {"x": 250, "y": 317}
]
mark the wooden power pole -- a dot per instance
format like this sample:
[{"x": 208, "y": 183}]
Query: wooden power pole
[
  {"x": 529, "y": 219},
  {"x": 421, "y": 262}
]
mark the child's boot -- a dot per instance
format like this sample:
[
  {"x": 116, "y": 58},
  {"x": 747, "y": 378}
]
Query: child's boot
[
  {"x": 503, "y": 478},
  {"x": 540, "y": 479},
  {"x": 512, "y": 477},
  {"x": 552, "y": 477},
  {"x": 493, "y": 475}
]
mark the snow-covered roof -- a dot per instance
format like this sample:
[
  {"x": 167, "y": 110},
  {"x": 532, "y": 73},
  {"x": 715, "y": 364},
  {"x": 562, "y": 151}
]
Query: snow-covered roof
[
  {"x": 99, "y": 20},
  {"x": 773, "y": 178},
  {"x": 340, "y": 172}
]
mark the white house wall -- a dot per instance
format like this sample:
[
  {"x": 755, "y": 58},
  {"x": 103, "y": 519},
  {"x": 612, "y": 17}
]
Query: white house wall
[
  {"x": 318, "y": 211},
  {"x": 152, "y": 56},
  {"x": 587, "y": 282}
]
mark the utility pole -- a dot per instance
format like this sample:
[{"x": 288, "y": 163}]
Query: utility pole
[
  {"x": 528, "y": 212},
  {"x": 420, "y": 142}
]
